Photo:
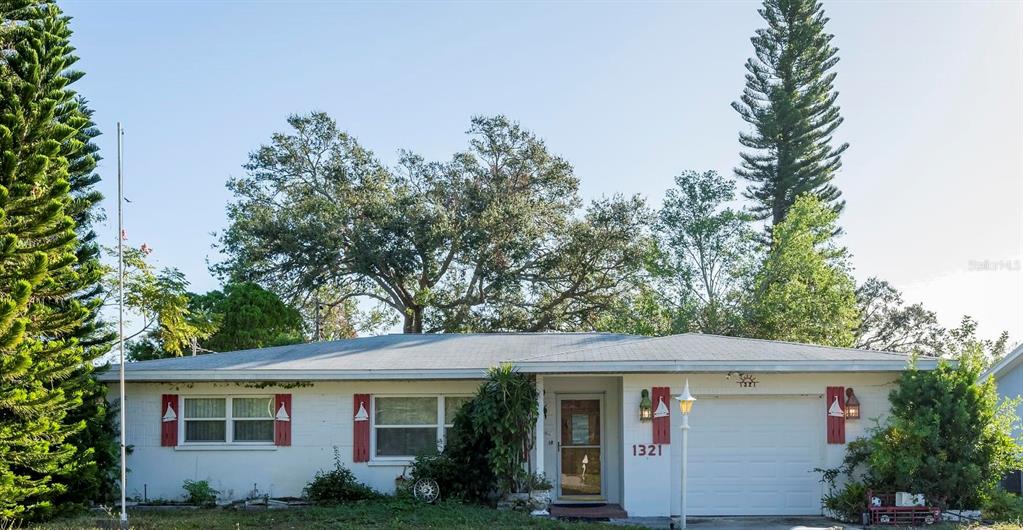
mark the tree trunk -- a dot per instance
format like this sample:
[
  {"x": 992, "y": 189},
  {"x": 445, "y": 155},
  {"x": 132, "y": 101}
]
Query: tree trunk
[{"x": 413, "y": 320}]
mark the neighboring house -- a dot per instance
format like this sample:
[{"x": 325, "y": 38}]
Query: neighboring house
[
  {"x": 1008, "y": 374},
  {"x": 266, "y": 420}
]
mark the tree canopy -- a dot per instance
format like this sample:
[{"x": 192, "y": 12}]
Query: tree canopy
[
  {"x": 47, "y": 288},
  {"x": 804, "y": 292},
  {"x": 248, "y": 317},
  {"x": 707, "y": 250},
  {"x": 486, "y": 241},
  {"x": 789, "y": 101}
]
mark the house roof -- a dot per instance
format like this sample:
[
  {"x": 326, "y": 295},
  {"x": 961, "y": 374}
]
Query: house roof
[
  {"x": 1006, "y": 364},
  {"x": 467, "y": 356}
]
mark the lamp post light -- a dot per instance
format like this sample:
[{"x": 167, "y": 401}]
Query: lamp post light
[{"x": 685, "y": 404}]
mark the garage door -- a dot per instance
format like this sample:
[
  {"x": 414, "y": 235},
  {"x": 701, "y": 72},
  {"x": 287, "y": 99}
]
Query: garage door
[{"x": 756, "y": 456}]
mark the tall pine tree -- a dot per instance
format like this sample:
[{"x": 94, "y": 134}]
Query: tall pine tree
[
  {"x": 790, "y": 102},
  {"x": 46, "y": 274}
]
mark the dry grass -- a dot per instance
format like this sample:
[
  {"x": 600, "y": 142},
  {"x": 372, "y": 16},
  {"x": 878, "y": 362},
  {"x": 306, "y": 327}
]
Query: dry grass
[{"x": 389, "y": 513}]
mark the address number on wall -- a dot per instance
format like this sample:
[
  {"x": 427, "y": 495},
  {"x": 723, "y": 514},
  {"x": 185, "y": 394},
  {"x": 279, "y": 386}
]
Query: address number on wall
[{"x": 646, "y": 450}]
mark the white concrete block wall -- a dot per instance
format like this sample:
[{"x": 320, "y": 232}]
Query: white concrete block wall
[
  {"x": 321, "y": 420},
  {"x": 652, "y": 484}
]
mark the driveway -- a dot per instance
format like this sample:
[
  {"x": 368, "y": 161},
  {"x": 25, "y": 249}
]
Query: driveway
[{"x": 744, "y": 523}]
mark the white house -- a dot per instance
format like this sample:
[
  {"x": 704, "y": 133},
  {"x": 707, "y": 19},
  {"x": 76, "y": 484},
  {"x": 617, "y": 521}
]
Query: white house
[
  {"x": 767, "y": 414},
  {"x": 1008, "y": 374}
]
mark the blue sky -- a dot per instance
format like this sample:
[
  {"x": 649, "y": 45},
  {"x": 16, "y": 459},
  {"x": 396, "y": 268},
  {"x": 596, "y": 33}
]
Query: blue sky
[{"x": 630, "y": 93}]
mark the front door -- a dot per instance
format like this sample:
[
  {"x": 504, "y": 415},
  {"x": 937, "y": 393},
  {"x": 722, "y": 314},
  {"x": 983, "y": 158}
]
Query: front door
[{"x": 580, "y": 447}]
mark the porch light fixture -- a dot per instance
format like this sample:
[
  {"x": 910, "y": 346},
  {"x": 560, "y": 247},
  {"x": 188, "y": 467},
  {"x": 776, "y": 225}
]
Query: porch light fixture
[
  {"x": 685, "y": 400},
  {"x": 645, "y": 406},
  {"x": 852, "y": 405},
  {"x": 685, "y": 404}
]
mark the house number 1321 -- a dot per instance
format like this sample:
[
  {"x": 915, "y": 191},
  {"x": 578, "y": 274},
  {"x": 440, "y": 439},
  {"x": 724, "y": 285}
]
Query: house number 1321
[{"x": 646, "y": 450}]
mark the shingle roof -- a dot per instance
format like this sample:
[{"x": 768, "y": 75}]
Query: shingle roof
[
  {"x": 384, "y": 352},
  {"x": 702, "y": 347},
  {"x": 468, "y": 355}
]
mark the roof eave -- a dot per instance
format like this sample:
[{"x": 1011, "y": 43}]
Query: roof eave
[
  {"x": 895, "y": 365},
  {"x": 1010, "y": 361}
]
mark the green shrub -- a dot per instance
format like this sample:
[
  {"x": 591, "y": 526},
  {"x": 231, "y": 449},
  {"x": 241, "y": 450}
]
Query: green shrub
[
  {"x": 948, "y": 436},
  {"x": 848, "y": 502},
  {"x": 200, "y": 493},
  {"x": 462, "y": 470},
  {"x": 539, "y": 482},
  {"x": 337, "y": 485},
  {"x": 506, "y": 412},
  {"x": 1002, "y": 506}
]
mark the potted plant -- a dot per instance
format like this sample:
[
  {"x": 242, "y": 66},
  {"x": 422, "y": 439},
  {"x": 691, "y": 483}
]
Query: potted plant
[{"x": 540, "y": 494}]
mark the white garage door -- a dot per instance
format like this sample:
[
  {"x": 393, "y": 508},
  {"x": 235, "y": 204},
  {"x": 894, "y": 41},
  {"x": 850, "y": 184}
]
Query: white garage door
[{"x": 756, "y": 456}]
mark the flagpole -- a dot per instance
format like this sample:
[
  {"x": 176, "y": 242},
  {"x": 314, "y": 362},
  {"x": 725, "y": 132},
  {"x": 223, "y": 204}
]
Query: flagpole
[{"x": 120, "y": 318}]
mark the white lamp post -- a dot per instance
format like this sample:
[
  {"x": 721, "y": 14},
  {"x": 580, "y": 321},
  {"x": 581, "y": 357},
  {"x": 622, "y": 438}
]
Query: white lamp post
[{"x": 685, "y": 404}]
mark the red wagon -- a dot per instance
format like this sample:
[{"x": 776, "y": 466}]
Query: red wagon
[{"x": 881, "y": 510}]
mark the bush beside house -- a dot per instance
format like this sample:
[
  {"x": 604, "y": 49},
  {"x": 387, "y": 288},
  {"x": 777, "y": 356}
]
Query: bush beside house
[
  {"x": 948, "y": 437},
  {"x": 487, "y": 453}
]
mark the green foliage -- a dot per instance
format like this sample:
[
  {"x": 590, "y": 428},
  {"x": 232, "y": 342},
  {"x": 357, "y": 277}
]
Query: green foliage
[
  {"x": 337, "y": 485},
  {"x": 948, "y": 436},
  {"x": 963, "y": 341},
  {"x": 804, "y": 292},
  {"x": 789, "y": 100},
  {"x": 48, "y": 330},
  {"x": 505, "y": 410},
  {"x": 847, "y": 502},
  {"x": 1002, "y": 506},
  {"x": 707, "y": 250},
  {"x": 646, "y": 311},
  {"x": 94, "y": 479},
  {"x": 200, "y": 493},
  {"x": 485, "y": 241},
  {"x": 463, "y": 469},
  {"x": 887, "y": 324},
  {"x": 249, "y": 317},
  {"x": 169, "y": 322},
  {"x": 539, "y": 482}
]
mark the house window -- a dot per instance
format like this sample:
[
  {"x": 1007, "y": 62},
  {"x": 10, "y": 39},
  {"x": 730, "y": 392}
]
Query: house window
[
  {"x": 451, "y": 406},
  {"x": 228, "y": 419},
  {"x": 253, "y": 419},
  {"x": 408, "y": 426}
]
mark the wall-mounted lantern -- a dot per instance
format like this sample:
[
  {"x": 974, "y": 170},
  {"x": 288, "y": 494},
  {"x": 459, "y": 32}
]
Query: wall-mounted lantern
[
  {"x": 646, "y": 412},
  {"x": 852, "y": 405}
]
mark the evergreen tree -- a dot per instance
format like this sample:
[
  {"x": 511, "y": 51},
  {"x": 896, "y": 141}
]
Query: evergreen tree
[
  {"x": 46, "y": 279},
  {"x": 249, "y": 317},
  {"x": 790, "y": 102},
  {"x": 94, "y": 474},
  {"x": 804, "y": 292}
]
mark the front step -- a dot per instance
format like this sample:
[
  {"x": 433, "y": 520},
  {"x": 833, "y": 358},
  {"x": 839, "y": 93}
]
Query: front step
[{"x": 599, "y": 512}]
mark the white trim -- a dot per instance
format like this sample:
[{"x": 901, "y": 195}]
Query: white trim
[
  {"x": 239, "y": 446},
  {"x": 1011, "y": 360},
  {"x": 441, "y": 425},
  {"x": 229, "y": 442},
  {"x": 537, "y": 367}
]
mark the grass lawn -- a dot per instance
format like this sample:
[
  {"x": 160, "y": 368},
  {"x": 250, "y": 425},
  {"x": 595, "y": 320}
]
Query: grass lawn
[{"x": 390, "y": 513}]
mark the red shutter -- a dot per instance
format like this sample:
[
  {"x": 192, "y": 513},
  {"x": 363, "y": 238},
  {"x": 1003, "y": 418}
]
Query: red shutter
[
  {"x": 836, "y": 424},
  {"x": 662, "y": 425},
  {"x": 168, "y": 420},
  {"x": 282, "y": 419},
  {"x": 360, "y": 420}
]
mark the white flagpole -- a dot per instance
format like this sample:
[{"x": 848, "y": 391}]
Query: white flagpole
[{"x": 120, "y": 318}]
